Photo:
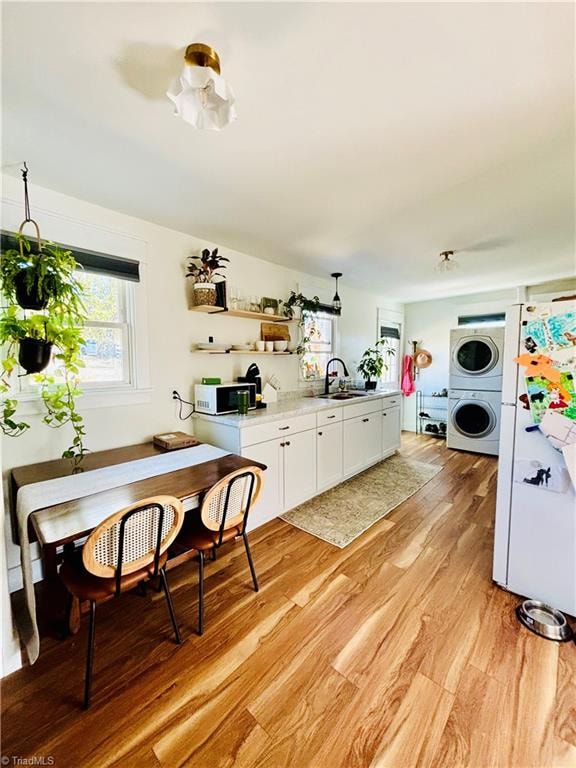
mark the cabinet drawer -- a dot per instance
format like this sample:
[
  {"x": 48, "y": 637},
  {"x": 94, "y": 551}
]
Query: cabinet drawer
[
  {"x": 390, "y": 402},
  {"x": 361, "y": 409},
  {"x": 259, "y": 433},
  {"x": 331, "y": 416}
]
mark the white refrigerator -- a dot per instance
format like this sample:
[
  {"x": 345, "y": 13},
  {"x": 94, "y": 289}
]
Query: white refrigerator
[{"x": 535, "y": 528}]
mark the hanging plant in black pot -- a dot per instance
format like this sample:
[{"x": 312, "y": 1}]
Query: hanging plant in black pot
[
  {"x": 31, "y": 275},
  {"x": 34, "y": 354},
  {"x": 43, "y": 279}
]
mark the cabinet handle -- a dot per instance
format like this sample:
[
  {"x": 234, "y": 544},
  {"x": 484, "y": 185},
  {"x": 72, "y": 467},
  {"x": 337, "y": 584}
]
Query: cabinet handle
[
  {"x": 320, "y": 433},
  {"x": 365, "y": 420},
  {"x": 283, "y": 428},
  {"x": 384, "y": 414},
  {"x": 282, "y": 445},
  {"x": 331, "y": 417},
  {"x": 287, "y": 442}
]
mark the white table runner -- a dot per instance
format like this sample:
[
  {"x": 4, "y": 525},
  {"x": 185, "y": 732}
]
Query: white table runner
[{"x": 36, "y": 496}]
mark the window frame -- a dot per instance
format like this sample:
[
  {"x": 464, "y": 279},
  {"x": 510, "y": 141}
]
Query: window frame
[
  {"x": 123, "y": 247},
  {"x": 334, "y": 318},
  {"x": 388, "y": 317}
]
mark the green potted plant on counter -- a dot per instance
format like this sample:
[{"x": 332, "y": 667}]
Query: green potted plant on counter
[
  {"x": 372, "y": 365},
  {"x": 203, "y": 269}
]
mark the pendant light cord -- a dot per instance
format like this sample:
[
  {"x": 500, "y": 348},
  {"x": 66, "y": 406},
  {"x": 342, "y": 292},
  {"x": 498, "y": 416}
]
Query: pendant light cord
[{"x": 24, "y": 171}]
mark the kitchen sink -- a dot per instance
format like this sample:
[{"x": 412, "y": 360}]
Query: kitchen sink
[{"x": 342, "y": 395}]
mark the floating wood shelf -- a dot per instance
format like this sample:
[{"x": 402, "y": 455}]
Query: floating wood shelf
[
  {"x": 236, "y": 352},
  {"x": 211, "y": 310}
]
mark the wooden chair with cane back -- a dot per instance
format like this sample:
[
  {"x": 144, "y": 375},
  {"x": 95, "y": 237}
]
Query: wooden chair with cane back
[
  {"x": 223, "y": 517},
  {"x": 125, "y": 550}
]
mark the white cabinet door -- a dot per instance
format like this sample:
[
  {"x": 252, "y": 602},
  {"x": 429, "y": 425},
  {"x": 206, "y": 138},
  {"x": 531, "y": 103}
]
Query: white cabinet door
[
  {"x": 354, "y": 452},
  {"x": 372, "y": 438},
  {"x": 390, "y": 430},
  {"x": 329, "y": 455},
  {"x": 299, "y": 467},
  {"x": 271, "y": 501}
]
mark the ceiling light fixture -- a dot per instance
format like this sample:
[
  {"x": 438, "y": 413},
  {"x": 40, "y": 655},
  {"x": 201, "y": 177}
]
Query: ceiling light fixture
[
  {"x": 446, "y": 264},
  {"x": 336, "y": 303},
  {"x": 200, "y": 94}
]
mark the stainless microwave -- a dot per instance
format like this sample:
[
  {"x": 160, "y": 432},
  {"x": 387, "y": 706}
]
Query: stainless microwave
[{"x": 222, "y": 398}]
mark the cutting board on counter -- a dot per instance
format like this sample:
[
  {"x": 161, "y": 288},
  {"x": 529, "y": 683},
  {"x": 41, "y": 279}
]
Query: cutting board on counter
[{"x": 274, "y": 332}]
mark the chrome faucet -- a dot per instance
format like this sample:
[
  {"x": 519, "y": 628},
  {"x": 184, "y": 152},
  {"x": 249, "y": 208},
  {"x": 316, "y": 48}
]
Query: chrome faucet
[{"x": 326, "y": 379}]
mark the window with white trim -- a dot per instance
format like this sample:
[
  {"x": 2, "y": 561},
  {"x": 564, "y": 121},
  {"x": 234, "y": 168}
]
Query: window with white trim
[
  {"x": 391, "y": 332},
  {"x": 109, "y": 351},
  {"x": 108, "y": 333},
  {"x": 106, "y": 353},
  {"x": 319, "y": 334}
]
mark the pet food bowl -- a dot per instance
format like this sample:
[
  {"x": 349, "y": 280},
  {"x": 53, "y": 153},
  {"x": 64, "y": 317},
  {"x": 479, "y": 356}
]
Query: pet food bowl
[{"x": 544, "y": 620}]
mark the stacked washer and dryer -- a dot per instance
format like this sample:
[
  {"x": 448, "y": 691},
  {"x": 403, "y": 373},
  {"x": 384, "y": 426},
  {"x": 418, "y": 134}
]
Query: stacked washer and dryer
[{"x": 475, "y": 395}]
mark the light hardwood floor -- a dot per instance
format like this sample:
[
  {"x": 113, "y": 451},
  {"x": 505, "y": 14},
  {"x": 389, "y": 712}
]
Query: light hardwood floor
[{"x": 395, "y": 651}]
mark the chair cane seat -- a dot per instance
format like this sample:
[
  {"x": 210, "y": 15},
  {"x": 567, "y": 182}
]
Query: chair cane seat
[{"x": 85, "y": 586}]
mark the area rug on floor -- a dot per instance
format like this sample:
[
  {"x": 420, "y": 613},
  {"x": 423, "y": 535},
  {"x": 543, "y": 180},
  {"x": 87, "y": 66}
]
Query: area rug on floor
[{"x": 341, "y": 514}]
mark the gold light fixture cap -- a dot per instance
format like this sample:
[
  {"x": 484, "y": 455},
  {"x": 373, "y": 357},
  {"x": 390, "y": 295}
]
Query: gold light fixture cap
[{"x": 200, "y": 55}]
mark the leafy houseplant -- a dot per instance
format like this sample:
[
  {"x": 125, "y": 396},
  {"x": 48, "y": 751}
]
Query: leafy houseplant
[
  {"x": 298, "y": 303},
  {"x": 31, "y": 275},
  {"x": 295, "y": 307},
  {"x": 30, "y": 341},
  {"x": 204, "y": 269},
  {"x": 372, "y": 362}
]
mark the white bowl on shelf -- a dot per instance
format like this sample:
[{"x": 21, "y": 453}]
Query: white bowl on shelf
[{"x": 280, "y": 346}]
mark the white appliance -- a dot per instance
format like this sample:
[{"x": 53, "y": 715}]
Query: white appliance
[
  {"x": 222, "y": 398},
  {"x": 535, "y": 529},
  {"x": 476, "y": 358},
  {"x": 473, "y": 421}
]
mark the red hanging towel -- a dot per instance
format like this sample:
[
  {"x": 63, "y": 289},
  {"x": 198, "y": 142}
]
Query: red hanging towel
[{"x": 407, "y": 385}]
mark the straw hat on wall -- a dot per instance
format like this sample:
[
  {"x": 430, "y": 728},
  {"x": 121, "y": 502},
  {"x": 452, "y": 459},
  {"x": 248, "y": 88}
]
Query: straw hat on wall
[{"x": 422, "y": 358}]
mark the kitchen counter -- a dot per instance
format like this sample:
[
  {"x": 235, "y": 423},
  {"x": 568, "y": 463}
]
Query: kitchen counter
[{"x": 290, "y": 408}]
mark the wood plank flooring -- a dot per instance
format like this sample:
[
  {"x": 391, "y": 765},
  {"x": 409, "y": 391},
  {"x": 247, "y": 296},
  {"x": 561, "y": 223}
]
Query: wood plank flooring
[{"x": 396, "y": 651}]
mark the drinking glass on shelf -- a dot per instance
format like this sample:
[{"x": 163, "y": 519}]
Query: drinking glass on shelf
[{"x": 234, "y": 295}]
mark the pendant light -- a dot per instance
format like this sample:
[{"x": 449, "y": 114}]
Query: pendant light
[
  {"x": 200, "y": 94},
  {"x": 336, "y": 303},
  {"x": 446, "y": 264}
]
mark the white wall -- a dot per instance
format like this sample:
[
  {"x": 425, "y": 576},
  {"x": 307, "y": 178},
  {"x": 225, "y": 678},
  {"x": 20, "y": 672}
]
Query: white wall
[
  {"x": 171, "y": 328},
  {"x": 430, "y": 322}
]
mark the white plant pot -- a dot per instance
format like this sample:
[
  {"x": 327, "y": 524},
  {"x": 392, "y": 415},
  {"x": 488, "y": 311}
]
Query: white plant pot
[{"x": 296, "y": 312}]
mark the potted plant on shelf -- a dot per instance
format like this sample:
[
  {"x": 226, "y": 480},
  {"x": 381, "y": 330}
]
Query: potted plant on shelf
[
  {"x": 204, "y": 269},
  {"x": 372, "y": 363},
  {"x": 293, "y": 308},
  {"x": 298, "y": 303},
  {"x": 31, "y": 275},
  {"x": 32, "y": 340}
]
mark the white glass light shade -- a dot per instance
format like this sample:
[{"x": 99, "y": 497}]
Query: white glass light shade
[
  {"x": 203, "y": 98},
  {"x": 446, "y": 264}
]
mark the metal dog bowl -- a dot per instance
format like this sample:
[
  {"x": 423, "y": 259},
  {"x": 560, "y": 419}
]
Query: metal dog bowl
[{"x": 544, "y": 620}]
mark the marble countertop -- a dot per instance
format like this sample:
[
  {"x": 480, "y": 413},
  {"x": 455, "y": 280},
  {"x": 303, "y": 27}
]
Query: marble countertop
[{"x": 289, "y": 408}]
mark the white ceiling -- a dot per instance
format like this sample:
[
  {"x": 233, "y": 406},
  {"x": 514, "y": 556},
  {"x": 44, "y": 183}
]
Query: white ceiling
[{"x": 370, "y": 137}]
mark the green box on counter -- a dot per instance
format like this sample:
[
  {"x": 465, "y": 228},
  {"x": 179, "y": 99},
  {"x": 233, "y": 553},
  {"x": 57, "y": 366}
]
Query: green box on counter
[{"x": 211, "y": 380}]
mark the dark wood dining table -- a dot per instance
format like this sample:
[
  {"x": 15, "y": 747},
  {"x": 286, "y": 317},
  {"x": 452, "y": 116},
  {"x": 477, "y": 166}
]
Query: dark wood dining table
[{"x": 59, "y": 527}]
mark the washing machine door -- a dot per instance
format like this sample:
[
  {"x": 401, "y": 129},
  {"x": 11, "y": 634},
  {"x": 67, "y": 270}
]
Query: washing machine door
[
  {"x": 473, "y": 418},
  {"x": 474, "y": 355}
]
